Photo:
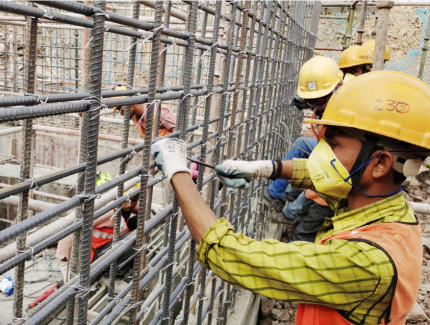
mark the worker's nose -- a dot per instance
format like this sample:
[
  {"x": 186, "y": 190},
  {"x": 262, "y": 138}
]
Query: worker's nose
[{"x": 126, "y": 206}]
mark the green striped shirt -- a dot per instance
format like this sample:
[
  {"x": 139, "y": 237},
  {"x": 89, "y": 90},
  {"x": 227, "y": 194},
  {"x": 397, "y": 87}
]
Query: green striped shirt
[{"x": 354, "y": 277}]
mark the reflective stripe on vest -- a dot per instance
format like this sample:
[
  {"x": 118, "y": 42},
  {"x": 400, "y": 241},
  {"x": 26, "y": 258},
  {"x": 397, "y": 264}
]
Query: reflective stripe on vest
[
  {"x": 102, "y": 236},
  {"x": 403, "y": 245}
]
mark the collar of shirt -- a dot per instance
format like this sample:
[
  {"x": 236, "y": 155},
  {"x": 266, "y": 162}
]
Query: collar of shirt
[{"x": 390, "y": 209}]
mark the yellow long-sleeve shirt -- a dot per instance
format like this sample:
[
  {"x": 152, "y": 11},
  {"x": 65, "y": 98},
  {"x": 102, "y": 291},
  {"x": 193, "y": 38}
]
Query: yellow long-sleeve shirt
[{"x": 354, "y": 277}]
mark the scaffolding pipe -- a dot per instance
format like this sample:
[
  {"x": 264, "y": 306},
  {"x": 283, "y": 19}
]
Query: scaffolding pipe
[
  {"x": 397, "y": 3},
  {"x": 35, "y": 205},
  {"x": 11, "y": 130},
  {"x": 384, "y": 8},
  {"x": 334, "y": 17},
  {"x": 173, "y": 11},
  {"x": 425, "y": 50},
  {"x": 360, "y": 30},
  {"x": 101, "y": 136},
  {"x": 38, "y": 193},
  {"x": 348, "y": 33}
]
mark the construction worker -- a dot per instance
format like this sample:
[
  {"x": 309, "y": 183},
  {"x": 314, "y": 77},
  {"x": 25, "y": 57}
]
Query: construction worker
[
  {"x": 370, "y": 45},
  {"x": 102, "y": 178},
  {"x": 365, "y": 265},
  {"x": 354, "y": 61},
  {"x": 138, "y": 113},
  {"x": 318, "y": 79},
  {"x": 103, "y": 229}
]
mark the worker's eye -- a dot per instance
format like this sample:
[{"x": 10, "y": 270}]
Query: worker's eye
[{"x": 332, "y": 143}]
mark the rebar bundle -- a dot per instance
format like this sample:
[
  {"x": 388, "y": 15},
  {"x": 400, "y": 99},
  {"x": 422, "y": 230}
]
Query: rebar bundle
[{"x": 241, "y": 82}]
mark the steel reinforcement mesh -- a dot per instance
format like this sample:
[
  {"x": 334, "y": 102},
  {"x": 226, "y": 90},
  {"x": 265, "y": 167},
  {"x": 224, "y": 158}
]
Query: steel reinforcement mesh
[{"x": 238, "y": 72}]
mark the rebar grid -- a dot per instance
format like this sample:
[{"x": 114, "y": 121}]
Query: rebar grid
[{"x": 246, "y": 54}]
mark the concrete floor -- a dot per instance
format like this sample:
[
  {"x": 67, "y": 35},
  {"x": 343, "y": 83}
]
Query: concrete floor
[{"x": 40, "y": 275}]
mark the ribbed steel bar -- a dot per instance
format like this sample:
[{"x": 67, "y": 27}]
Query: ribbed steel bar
[
  {"x": 183, "y": 123},
  {"x": 80, "y": 184},
  {"x": 140, "y": 237},
  {"x": 201, "y": 169},
  {"x": 124, "y": 145},
  {"x": 91, "y": 163},
  {"x": 25, "y": 165},
  {"x": 218, "y": 152}
]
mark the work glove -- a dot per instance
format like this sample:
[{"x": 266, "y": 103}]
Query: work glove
[
  {"x": 170, "y": 157},
  {"x": 237, "y": 173},
  {"x": 299, "y": 102}
]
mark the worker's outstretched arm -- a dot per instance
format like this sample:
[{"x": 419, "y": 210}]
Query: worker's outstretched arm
[
  {"x": 171, "y": 160},
  {"x": 194, "y": 209}
]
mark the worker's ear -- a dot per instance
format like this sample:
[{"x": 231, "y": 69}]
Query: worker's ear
[{"x": 383, "y": 164}]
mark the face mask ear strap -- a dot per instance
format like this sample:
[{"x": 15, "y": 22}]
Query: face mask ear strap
[
  {"x": 368, "y": 147},
  {"x": 369, "y": 195}
]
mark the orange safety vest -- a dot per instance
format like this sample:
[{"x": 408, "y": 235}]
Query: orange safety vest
[
  {"x": 103, "y": 235},
  {"x": 403, "y": 245}
]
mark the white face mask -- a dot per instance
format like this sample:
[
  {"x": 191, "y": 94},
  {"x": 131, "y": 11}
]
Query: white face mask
[{"x": 329, "y": 176}]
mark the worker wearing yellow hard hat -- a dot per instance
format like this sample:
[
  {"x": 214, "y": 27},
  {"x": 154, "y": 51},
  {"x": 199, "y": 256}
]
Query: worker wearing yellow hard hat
[
  {"x": 365, "y": 265},
  {"x": 319, "y": 78},
  {"x": 354, "y": 61},
  {"x": 370, "y": 45}
]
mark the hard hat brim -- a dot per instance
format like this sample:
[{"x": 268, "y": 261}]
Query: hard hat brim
[
  {"x": 353, "y": 65},
  {"x": 378, "y": 132},
  {"x": 317, "y": 93}
]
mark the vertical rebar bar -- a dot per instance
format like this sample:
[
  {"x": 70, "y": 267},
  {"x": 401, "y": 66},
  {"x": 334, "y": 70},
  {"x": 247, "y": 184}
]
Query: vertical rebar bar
[
  {"x": 140, "y": 236},
  {"x": 183, "y": 118},
  {"x": 124, "y": 144},
  {"x": 24, "y": 174},
  {"x": 91, "y": 163},
  {"x": 205, "y": 133},
  {"x": 82, "y": 157}
]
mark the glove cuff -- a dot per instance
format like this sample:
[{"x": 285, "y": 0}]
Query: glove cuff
[
  {"x": 263, "y": 168},
  {"x": 180, "y": 170}
]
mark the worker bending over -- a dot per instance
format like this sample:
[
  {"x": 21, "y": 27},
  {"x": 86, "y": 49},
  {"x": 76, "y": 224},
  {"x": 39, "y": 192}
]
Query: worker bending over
[
  {"x": 102, "y": 236},
  {"x": 365, "y": 265}
]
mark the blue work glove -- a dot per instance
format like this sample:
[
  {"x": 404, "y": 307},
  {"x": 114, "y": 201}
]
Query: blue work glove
[
  {"x": 238, "y": 173},
  {"x": 170, "y": 155}
]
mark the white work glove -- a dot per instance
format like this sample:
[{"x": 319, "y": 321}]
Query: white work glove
[
  {"x": 170, "y": 156},
  {"x": 237, "y": 173}
]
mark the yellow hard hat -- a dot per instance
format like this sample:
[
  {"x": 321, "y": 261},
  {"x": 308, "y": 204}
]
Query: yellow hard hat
[
  {"x": 318, "y": 77},
  {"x": 389, "y": 104},
  {"x": 370, "y": 45},
  {"x": 119, "y": 88},
  {"x": 133, "y": 188},
  {"x": 355, "y": 55}
]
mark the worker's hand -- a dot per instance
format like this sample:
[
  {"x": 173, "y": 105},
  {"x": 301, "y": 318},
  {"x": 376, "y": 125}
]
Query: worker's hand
[
  {"x": 299, "y": 102},
  {"x": 238, "y": 174},
  {"x": 170, "y": 157}
]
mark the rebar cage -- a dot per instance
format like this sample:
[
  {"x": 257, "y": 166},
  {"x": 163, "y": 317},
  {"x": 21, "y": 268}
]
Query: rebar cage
[{"x": 228, "y": 74}]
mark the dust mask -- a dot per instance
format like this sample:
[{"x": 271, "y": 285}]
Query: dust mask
[
  {"x": 333, "y": 184},
  {"x": 330, "y": 178}
]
